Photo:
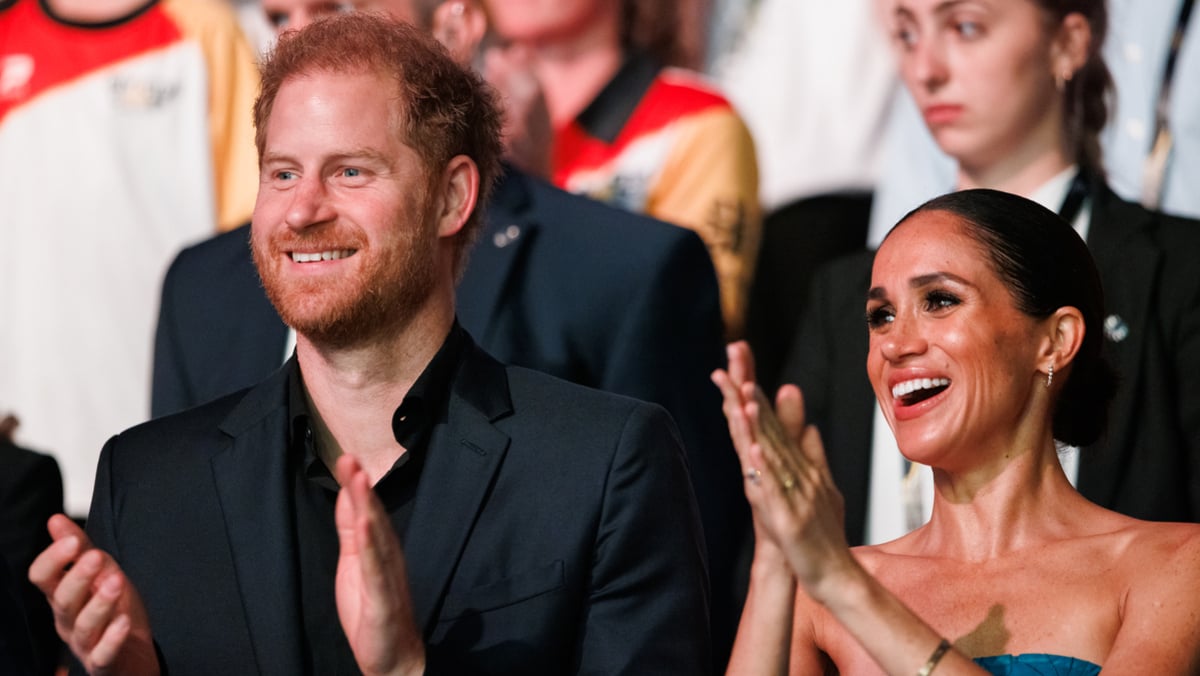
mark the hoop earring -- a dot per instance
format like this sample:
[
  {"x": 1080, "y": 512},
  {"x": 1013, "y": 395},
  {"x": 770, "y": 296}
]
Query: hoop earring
[{"x": 1049, "y": 375}]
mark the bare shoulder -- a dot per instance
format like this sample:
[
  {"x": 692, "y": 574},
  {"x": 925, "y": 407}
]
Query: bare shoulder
[
  {"x": 1160, "y": 628},
  {"x": 1170, "y": 550}
]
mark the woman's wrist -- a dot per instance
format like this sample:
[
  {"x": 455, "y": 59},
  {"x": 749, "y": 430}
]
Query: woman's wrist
[{"x": 840, "y": 582}]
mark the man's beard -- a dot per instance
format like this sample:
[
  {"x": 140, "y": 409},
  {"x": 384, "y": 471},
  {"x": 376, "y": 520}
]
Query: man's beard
[{"x": 395, "y": 278}]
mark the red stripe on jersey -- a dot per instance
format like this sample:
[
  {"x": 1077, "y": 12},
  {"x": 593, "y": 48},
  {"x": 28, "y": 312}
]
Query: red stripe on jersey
[
  {"x": 670, "y": 98},
  {"x": 38, "y": 53}
]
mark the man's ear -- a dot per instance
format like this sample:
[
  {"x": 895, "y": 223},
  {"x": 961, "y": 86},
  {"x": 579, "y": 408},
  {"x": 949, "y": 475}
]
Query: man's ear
[
  {"x": 458, "y": 192},
  {"x": 460, "y": 26},
  {"x": 1064, "y": 336}
]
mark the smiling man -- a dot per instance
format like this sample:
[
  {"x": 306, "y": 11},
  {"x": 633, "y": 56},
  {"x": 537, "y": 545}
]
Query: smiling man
[{"x": 393, "y": 500}]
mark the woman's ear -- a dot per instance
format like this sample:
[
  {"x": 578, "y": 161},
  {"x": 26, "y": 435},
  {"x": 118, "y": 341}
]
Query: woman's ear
[
  {"x": 1064, "y": 336},
  {"x": 1072, "y": 46},
  {"x": 460, "y": 26}
]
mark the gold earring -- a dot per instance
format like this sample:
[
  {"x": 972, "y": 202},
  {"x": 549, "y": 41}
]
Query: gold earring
[{"x": 1061, "y": 80}]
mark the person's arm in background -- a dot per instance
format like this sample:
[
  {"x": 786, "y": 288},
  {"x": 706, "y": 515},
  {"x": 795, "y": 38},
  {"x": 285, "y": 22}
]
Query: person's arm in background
[{"x": 710, "y": 184}]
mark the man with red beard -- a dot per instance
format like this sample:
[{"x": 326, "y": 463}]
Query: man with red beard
[{"x": 393, "y": 500}]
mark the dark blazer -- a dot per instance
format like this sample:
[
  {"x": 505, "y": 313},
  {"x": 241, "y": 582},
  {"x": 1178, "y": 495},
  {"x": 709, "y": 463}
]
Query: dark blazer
[
  {"x": 557, "y": 283},
  {"x": 554, "y": 531},
  {"x": 31, "y": 491},
  {"x": 1148, "y": 463}
]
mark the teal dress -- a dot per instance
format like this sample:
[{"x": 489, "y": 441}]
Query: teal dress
[{"x": 1035, "y": 664}]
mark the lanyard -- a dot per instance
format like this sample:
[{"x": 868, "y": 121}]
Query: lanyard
[
  {"x": 1160, "y": 150},
  {"x": 1073, "y": 201}
]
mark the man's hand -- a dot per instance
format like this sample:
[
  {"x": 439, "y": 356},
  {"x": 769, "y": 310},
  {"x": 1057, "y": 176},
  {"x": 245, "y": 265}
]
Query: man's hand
[
  {"x": 97, "y": 612},
  {"x": 373, "y": 602}
]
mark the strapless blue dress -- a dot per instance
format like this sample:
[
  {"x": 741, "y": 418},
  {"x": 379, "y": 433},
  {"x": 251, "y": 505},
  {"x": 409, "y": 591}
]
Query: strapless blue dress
[{"x": 1035, "y": 664}]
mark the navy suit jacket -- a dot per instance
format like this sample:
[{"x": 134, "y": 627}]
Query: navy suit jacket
[
  {"x": 557, "y": 283},
  {"x": 1147, "y": 465},
  {"x": 554, "y": 531}
]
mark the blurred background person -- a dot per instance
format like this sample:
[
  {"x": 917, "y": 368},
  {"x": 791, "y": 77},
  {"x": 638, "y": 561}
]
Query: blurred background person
[
  {"x": 1016, "y": 93},
  {"x": 1151, "y": 143},
  {"x": 631, "y": 130},
  {"x": 813, "y": 81},
  {"x": 124, "y": 133}
]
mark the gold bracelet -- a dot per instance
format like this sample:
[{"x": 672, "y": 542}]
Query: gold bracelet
[{"x": 934, "y": 658}]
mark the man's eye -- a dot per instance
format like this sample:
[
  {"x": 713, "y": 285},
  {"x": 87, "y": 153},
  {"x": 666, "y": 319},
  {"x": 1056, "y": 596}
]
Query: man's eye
[
  {"x": 285, "y": 175},
  {"x": 351, "y": 172}
]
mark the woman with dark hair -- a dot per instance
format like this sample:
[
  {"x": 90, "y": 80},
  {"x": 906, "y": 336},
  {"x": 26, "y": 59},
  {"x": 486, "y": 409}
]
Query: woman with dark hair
[
  {"x": 983, "y": 314},
  {"x": 1015, "y": 91}
]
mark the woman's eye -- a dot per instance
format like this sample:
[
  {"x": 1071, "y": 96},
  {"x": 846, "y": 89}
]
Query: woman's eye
[
  {"x": 940, "y": 300},
  {"x": 969, "y": 29},
  {"x": 877, "y": 317},
  {"x": 906, "y": 37}
]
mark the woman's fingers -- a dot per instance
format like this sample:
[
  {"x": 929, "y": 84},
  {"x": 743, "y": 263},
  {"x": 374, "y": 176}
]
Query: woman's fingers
[
  {"x": 741, "y": 362},
  {"x": 789, "y": 406},
  {"x": 739, "y": 426}
]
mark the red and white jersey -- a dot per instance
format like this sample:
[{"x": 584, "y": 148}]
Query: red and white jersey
[
  {"x": 665, "y": 143},
  {"x": 119, "y": 143}
]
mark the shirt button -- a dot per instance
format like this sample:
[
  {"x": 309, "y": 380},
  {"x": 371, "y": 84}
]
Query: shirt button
[{"x": 1132, "y": 52}]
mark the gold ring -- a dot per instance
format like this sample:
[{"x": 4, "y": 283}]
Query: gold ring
[{"x": 788, "y": 482}]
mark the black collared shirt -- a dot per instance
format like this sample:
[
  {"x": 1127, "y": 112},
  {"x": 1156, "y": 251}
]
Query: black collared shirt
[{"x": 415, "y": 423}]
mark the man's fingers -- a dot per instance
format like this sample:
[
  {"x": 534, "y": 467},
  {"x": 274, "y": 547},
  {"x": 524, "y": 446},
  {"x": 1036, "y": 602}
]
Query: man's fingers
[
  {"x": 48, "y": 568},
  {"x": 62, "y": 526},
  {"x": 75, "y": 588},
  {"x": 104, "y": 653},
  {"x": 379, "y": 550},
  {"x": 97, "y": 613}
]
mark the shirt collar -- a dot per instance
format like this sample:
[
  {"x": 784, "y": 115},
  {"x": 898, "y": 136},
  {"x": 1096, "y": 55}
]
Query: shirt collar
[
  {"x": 606, "y": 115},
  {"x": 425, "y": 404}
]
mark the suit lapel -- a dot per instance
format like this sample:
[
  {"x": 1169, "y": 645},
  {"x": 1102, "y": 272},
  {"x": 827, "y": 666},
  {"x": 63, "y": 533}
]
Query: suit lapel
[
  {"x": 458, "y": 473},
  {"x": 507, "y": 233},
  {"x": 1128, "y": 262},
  {"x": 252, "y": 483}
]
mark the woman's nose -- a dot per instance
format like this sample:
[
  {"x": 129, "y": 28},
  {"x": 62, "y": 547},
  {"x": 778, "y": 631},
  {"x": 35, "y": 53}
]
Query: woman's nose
[
  {"x": 927, "y": 64},
  {"x": 903, "y": 338}
]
